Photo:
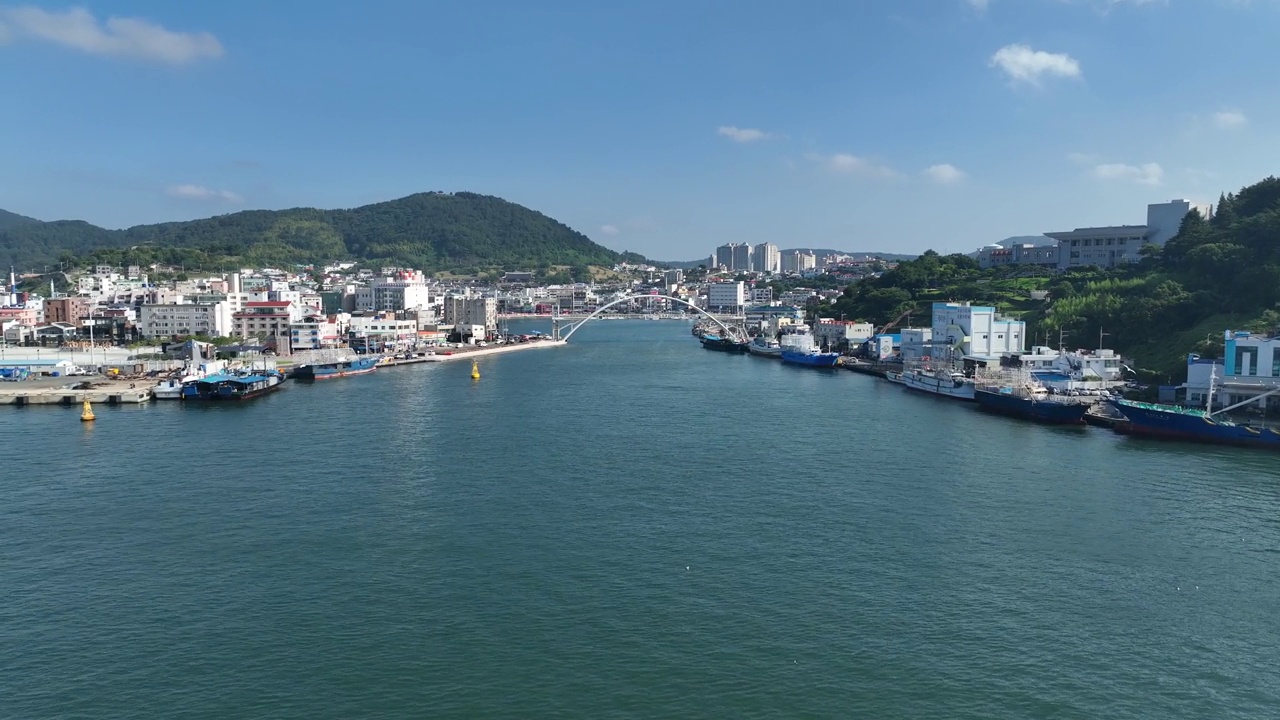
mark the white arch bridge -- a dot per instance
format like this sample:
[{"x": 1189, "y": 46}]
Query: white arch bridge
[{"x": 573, "y": 327}]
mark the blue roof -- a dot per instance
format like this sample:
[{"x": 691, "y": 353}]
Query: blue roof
[{"x": 223, "y": 377}]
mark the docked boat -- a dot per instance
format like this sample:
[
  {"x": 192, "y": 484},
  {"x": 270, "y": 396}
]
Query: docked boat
[
  {"x": 938, "y": 381},
  {"x": 812, "y": 358},
  {"x": 1030, "y": 400},
  {"x": 799, "y": 349},
  {"x": 171, "y": 389},
  {"x": 764, "y": 347},
  {"x": 231, "y": 387},
  {"x": 335, "y": 368},
  {"x": 1173, "y": 422},
  {"x": 712, "y": 341}
]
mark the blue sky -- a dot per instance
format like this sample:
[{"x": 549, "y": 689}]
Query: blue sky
[{"x": 661, "y": 127}]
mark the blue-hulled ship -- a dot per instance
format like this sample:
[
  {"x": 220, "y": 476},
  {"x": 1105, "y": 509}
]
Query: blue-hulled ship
[
  {"x": 335, "y": 368},
  {"x": 1029, "y": 400},
  {"x": 799, "y": 349},
  {"x": 1172, "y": 422},
  {"x": 229, "y": 387}
]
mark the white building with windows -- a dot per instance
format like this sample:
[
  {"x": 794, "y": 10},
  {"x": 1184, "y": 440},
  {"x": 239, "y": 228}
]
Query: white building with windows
[
  {"x": 1116, "y": 244},
  {"x": 728, "y": 297},
  {"x": 314, "y": 332},
  {"x": 975, "y": 332},
  {"x": 212, "y": 319}
]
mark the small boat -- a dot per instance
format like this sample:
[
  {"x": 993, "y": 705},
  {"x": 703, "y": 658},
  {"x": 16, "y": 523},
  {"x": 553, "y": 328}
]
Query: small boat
[
  {"x": 764, "y": 347},
  {"x": 224, "y": 387},
  {"x": 722, "y": 344},
  {"x": 170, "y": 389},
  {"x": 335, "y": 368},
  {"x": 1030, "y": 400}
]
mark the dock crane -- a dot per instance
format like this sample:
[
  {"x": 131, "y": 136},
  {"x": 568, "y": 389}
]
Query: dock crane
[{"x": 895, "y": 321}]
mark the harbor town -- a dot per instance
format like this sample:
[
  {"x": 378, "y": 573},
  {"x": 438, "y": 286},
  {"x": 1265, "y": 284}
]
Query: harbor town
[{"x": 131, "y": 335}]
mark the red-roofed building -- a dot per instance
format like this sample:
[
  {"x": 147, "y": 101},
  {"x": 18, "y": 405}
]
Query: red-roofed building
[{"x": 267, "y": 319}]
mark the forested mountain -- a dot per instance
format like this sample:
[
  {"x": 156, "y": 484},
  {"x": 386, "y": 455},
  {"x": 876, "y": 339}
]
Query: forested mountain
[
  {"x": 1215, "y": 275},
  {"x": 432, "y": 231},
  {"x": 8, "y": 220}
]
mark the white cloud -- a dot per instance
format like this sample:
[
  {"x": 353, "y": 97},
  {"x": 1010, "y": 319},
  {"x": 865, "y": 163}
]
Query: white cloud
[
  {"x": 742, "y": 135},
  {"x": 78, "y": 29},
  {"x": 200, "y": 192},
  {"x": 979, "y": 6},
  {"x": 1229, "y": 120},
  {"x": 945, "y": 173},
  {"x": 847, "y": 164},
  {"x": 1022, "y": 64},
  {"x": 1145, "y": 174},
  {"x": 609, "y": 229}
]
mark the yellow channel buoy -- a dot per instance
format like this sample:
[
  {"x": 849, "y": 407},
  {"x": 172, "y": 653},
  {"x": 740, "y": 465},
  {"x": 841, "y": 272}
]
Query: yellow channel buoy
[
  {"x": 86, "y": 414},
  {"x": 475, "y": 370}
]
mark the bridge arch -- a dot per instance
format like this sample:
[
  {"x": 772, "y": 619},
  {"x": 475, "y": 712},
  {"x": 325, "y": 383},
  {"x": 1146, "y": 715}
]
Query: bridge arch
[{"x": 629, "y": 298}]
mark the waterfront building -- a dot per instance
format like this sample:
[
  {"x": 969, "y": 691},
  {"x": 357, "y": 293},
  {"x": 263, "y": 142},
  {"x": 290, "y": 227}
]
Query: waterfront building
[
  {"x": 1250, "y": 367},
  {"x": 916, "y": 343},
  {"x": 382, "y": 331},
  {"x": 762, "y": 295},
  {"x": 1117, "y": 244},
  {"x": 314, "y": 331},
  {"x": 269, "y": 320},
  {"x": 23, "y": 314},
  {"x": 841, "y": 334},
  {"x": 728, "y": 297},
  {"x": 974, "y": 332},
  {"x": 472, "y": 312},
  {"x": 1069, "y": 369},
  {"x": 169, "y": 320},
  {"x": 766, "y": 258}
]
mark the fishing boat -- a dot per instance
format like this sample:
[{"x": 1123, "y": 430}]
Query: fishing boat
[
  {"x": 232, "y": 387},
  {"x": 1174, "y": 422},
  {"x": 1026, "y": 398},
  {"x": 764, "y": 347},
  {"x": 171, "y": 389},
  {"x": 346, "y": 367},
  {"x": 938, "y": 381},
  {"x": 712, "y": 341}
]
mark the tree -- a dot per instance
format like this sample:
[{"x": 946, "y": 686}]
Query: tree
[{"x": 1062, "y": 290}]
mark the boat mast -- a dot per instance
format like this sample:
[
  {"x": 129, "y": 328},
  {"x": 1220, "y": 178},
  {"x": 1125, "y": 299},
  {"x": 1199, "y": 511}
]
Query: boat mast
[{"x": 1213, "y": 374}]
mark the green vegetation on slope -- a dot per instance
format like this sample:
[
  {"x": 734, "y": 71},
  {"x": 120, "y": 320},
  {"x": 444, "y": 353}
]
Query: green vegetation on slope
[
  {"x": 433, "y": 231},
  {"x": 1214, "y": 275}
]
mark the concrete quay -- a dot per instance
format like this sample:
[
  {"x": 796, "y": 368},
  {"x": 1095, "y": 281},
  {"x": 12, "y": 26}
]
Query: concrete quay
[{"x": 58, "y": 391}]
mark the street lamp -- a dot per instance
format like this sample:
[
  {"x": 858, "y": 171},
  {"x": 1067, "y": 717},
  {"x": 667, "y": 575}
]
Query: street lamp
[{"x": 1100, "y": 336}]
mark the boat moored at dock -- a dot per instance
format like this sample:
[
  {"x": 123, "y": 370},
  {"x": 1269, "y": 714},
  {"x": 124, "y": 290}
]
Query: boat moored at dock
[
  {"x": 335, "y": 368},
  {"x": 938, "y": 381},
  {"x": 231, "y": 387},
  {"x": 1173, "y": 422},
  {"x": 722, "y": 344},
  {"x": 764, "y": 347},
  {"x": 1027, "y": 399}
]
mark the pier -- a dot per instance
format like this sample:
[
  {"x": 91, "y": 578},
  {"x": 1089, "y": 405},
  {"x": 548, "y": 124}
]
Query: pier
[{"x": 100, "y": 392}]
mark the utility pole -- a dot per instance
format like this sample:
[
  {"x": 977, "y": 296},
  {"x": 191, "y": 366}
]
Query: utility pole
[{"x": 1100, "y": 336}]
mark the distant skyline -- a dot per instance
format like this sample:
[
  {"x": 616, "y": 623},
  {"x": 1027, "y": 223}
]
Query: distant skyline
[{"x": 665, "y": 128}]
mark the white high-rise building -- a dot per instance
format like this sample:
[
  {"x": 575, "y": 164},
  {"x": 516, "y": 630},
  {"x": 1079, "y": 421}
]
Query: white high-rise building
[
  {"x": 727, "y": 296},
  {"x": 767, "y": 258}
]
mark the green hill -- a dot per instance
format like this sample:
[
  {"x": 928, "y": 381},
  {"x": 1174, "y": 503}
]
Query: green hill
[
  {"x": 1215, "y": 275},
  {"x": 433, "y": 231},
  {"x": 8, "y": 220}
]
